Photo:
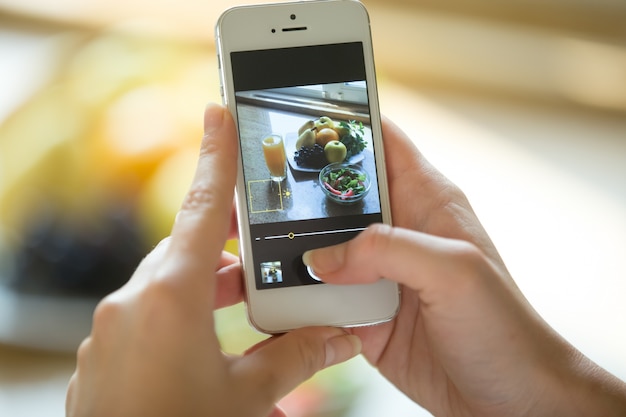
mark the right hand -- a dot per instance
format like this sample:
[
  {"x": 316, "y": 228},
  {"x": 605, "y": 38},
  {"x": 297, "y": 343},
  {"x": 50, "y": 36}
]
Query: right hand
[{"x": 465, "y": 341}]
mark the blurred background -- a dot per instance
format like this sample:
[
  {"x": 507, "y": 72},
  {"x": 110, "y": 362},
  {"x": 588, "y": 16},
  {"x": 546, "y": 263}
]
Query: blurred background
[{"x": 521, "y": 103}]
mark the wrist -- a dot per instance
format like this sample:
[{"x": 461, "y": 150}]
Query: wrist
[{"x": 579, "y": 387}]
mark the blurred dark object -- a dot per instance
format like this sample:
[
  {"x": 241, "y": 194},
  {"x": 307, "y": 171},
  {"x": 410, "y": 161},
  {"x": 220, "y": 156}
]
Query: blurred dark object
[
  {"x": 95, "y": 161},
  {"x": 83, "y": 257}
]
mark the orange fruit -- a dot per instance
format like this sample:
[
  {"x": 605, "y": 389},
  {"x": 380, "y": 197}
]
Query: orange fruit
[{"x": 326, "y": 135}]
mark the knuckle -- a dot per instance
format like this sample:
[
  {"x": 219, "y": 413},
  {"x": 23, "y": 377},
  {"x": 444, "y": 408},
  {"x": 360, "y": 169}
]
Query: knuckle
[
  {"x": 154, "y": 297},
  {"x": 159, "y": 295},
  {"x": 162, "y": 305},
  {"x": 70, "y": 407},
  {"x": 303, "y": 350},
  {"x": 83, "y": 352},
  {"x": 364, "y": 253},
  {"x": 311, "y": 359},
  {"x": 199, "y": 197},
  {"x": 470, "y": 266},
  {"x": 454, "y": 192},
  {"x": 208, "y": 146},
  {"x": 464, "y": 257},
  {"x": 377, "y": 239},
  {"x": 467, "y": 254},
  {"x": 115, "y": 310},
  {"x": 106, "y": 314}
]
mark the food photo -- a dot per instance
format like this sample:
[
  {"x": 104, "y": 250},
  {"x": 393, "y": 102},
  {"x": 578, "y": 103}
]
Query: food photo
[{"x": 307, "y": 152}]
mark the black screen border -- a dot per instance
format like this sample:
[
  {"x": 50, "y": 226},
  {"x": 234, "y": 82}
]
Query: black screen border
[{"x": 298, "y": 66}]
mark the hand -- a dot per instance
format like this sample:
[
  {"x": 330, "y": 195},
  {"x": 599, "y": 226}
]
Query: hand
[
  {"x": 466, "y": 341},
  {"x": 153, "y": 350}
]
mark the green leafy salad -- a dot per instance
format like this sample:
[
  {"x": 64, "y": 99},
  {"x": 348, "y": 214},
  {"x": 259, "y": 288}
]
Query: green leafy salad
[{"x": 345, "y": 182}]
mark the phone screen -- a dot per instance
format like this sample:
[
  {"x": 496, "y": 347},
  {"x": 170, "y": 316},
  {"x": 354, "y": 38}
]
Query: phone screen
[{"x": 291, "y": 207}]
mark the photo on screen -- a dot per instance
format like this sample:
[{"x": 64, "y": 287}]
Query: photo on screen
[{"x": 289, "y": 135}]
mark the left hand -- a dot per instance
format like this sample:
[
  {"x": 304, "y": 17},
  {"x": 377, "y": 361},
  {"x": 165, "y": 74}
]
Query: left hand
[{"x": 153, "y": 350}]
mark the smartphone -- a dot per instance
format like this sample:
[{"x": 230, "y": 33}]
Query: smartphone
[{"x": 299, "y": 80}]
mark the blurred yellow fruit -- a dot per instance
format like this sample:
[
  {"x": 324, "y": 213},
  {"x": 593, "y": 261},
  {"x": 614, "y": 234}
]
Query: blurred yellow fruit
[
  {"x": 163, "y": 194},
  {"x": 122, "y": 110}
]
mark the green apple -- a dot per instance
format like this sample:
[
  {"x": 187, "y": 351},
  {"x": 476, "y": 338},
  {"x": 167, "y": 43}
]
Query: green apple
[
  {"x": 324, "y": 122},
  {"x": 335, "y": 151}
]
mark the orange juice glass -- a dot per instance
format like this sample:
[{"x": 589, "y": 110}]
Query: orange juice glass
[{"x": 275, "y": 157}]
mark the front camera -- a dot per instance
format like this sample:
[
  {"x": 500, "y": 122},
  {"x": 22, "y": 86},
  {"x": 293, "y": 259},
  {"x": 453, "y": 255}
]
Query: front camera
[
  {"x": 293, "y": 17},
  {"x": 273, "y": 30}
]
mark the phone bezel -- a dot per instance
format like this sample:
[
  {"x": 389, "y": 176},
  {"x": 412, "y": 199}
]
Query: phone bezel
[{"x": 311, "y": 304}]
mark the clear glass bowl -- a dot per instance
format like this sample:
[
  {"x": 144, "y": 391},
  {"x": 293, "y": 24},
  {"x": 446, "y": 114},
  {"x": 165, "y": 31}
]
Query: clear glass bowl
[{"x": 333, "y": 180}]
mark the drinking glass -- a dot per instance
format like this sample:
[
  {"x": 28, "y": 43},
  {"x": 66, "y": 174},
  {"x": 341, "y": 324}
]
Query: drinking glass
[{"x": 275, "y": 157}]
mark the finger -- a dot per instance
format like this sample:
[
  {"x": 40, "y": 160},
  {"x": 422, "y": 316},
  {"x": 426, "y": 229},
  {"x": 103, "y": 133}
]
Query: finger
[
  {"x": 229, "y": 285},
  {"x": 413, "y": 182},
  {"x": 70, "y": 395},
  {"x": 155, "y": 256},
  {"x": 277, "y": 412},
  {"x": 227, "y": 259},
  {"x": 201, "y": 226},
  {"x": 148, "y": 264},
  {"x": 407, "y": 161},
  {"x": 233, "y": 233},
  {"x": 399, "y": 150},
  {"x": 278, "y": 367},
  {"x": 430, "y": 192},
  {"x": 261, "y": 344},
  {"x": 422, "y": 262}
]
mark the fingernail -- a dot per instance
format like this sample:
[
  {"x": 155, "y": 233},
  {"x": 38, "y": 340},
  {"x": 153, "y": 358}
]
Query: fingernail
[
  {"x": 327, "y": 260},
  {"x": 341, "y": 348},
  {"x": 306, "y": 258},
  {"x": 213, "y": 117},
  {"x": 163, "y": 242}
]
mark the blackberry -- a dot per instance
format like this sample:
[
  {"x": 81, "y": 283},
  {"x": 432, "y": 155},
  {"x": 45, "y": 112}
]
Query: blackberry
[{"x": 311, "y": 157}]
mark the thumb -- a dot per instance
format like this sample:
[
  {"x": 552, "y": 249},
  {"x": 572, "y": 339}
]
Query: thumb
[
  {"x": 287, "y": 361},
  {"x": 426, "y": 263}
]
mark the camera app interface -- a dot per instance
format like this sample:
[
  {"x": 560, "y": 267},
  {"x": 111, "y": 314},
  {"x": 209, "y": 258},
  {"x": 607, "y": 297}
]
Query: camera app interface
[{"x": 307, "y": 152}]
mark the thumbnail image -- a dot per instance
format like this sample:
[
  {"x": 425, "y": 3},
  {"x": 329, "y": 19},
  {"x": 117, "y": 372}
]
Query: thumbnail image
[{"x": 271, "y": 272}]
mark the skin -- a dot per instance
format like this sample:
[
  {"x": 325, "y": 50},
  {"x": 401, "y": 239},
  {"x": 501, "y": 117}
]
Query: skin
[
  {"x": 153, "y": 350},
  {"x": 465, "y": 342}
]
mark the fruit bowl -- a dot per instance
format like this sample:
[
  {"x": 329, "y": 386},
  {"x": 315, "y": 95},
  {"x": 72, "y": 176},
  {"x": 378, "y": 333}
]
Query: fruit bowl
[
  {"x": 344, "y": 183},
  {"x": 290, "y": 148}
]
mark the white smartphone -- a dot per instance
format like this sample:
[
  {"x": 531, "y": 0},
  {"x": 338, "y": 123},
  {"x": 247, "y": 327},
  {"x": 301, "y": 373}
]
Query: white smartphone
[{"x": 300, "y": 82}]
